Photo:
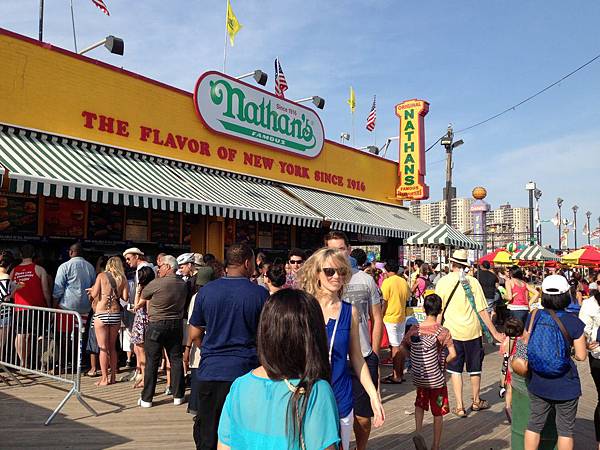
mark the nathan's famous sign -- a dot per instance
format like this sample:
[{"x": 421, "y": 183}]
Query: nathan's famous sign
[
  {"x": 411, "y": 156},
  {"x": 234, "y": 108}
]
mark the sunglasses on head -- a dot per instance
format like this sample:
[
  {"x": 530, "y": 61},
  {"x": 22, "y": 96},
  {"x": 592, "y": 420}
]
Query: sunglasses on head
[
  {"x": 330, "y": 271},
  {"x": 296, "y": 261}
]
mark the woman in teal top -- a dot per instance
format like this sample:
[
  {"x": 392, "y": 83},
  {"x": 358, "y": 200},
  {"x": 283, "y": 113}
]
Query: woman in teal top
[{"x": 286, "y": 402}]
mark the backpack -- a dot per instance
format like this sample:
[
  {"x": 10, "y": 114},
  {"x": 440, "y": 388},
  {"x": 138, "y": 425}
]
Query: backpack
[
  {"x": 426, "y": 367},
  {"x": 549, "y": 346}
]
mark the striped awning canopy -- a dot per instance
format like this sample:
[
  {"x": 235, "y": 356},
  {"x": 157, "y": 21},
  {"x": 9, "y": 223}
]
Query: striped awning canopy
[
  {"x": 360, "y": 216},
  {"x": 536, "y": 253},
  {"x": 38, "y": 163},
  {"x": 443, "y": 234}
]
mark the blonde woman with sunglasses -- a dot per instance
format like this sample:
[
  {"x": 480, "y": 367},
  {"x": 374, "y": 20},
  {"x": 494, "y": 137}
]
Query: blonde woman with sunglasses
[{"x": 325, "y": 275}]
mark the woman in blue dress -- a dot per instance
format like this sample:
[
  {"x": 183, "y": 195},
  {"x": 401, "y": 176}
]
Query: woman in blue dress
[
  {"x": 286, "y": 403},
  {"x": 325, "y": 275}
]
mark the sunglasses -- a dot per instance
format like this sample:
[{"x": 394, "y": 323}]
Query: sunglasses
[
  {"x": 296, "y": 261},
  {"x": 330, "y": 271}
]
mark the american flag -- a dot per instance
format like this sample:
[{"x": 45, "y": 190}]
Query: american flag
[
  {"x": 102, "y": 6},
  {"x": 372, "y": 116},
  {"x": 280, "y": 82}
]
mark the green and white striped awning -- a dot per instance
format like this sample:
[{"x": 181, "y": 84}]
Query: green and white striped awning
[
  {"x": 443, "y": 234},
  {"x": 360, "y": 216},
  {"x": 536, "y": 253},
  {"x": 39, "y": 163}
]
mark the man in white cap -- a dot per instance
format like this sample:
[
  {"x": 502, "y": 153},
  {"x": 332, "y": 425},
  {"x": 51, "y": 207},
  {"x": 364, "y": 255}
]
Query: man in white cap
[
  {"x": 464, "y": 311},
  {"x": 136, "y": 259}
]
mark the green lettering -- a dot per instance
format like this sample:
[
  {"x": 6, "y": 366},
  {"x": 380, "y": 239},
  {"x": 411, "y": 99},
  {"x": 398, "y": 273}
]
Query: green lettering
[
  {"x": 217, "y": 96},
  {"x": 409, "y": 147},
  {"x": 409, "y": 169},
  {"x": 409, "y": 114},
  {"x": 409, "y": 126},
  {"x": 409, "y": 159},
  {"x": 409, "y": 180}
]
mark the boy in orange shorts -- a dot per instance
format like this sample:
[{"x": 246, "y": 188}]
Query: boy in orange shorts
[{"x": 430, "y": 347}]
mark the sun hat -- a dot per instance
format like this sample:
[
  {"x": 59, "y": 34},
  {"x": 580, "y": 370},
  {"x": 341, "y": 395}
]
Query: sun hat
[
  {"x": 133, "y": 251},
  {"x": 460, "y": 256},
  {"x": 593, "y": 285},
  {"x": 185, "y": 258},
  {"x": 555, "y": 284},
  {"x": 198, "y": 259}
]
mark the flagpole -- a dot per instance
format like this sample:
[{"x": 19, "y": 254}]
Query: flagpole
[
  {"x": 73, "y": 23},
  {"x": 41, "y": 24},
  {"x": 225, "y": 48},
  {"x": 353, "y": 130}
]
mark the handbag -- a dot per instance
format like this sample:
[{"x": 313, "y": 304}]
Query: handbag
[{"x": 520, "y": 364}]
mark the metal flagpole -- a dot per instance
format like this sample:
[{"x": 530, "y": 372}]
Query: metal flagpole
[
  {"x": 353, "y": 128},
  {"x": 225, "y": 48},
  {"x": 73, "y": 23},
  {"x": 41, "y": 26}
]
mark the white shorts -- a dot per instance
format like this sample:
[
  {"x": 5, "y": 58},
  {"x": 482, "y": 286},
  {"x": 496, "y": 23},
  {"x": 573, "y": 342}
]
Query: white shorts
[
  {"x": 395, "y": 332},
  {"x": 125, "y": 339},
  {"x": 346, "y": 425}
]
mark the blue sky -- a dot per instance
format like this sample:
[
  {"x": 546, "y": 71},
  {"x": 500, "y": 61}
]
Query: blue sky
[{"x": 469, "y": 59}]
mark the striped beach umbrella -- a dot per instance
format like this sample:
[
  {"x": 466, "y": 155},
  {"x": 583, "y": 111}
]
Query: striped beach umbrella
[
  {"x": 443, "y": 234},
  {"x": 535, "y": 253},
  {"x": 498, "y": 256},
  {"x": 585, "y": 256}
]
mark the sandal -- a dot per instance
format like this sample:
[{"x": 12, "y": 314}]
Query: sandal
[
  {"x": 483, "y": 404},
  {"x": 390, "y": 380},
  {"x": 92, "y": 374},
  {"x": 460, "y": 412}
]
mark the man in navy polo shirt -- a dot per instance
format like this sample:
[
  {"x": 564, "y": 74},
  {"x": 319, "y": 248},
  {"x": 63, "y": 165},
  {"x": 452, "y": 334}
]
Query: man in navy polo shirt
[{"x": 224, "y": 325}]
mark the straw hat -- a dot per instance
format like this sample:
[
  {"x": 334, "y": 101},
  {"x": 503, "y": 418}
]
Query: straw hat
[{"x": 460, "y": 256}]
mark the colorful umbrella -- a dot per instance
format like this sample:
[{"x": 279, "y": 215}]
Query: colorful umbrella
[
  {"x": 585, "y": 256},
  {"x": 498, "y": 256}
]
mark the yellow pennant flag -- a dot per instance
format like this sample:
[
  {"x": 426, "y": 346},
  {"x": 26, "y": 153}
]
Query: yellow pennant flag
[
  {"x": 233, "y": 26},
  {"x": 352, "y": 100}
]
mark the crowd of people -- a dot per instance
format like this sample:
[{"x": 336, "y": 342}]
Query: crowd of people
[{"x": 285, "y": 354}]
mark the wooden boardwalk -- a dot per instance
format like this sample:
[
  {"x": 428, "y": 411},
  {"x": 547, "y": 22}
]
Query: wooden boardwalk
[{"x": 121, "y": 424}]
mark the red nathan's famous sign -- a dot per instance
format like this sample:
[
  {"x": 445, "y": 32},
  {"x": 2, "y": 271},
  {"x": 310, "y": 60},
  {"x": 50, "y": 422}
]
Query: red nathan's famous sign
[{"x": 411, "y": 155}]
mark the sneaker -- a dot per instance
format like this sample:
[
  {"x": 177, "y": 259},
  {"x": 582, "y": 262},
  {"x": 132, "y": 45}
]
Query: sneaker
[
  {"x": 178, "y": 401},
  {"x": 168, "y": 391},
  {"x": 144, "y": 404},
  {"x": 128, "y": 365},
  {"x": 501, "y": 392}
]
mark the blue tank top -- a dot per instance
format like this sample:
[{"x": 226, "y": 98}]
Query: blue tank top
[{"x": 341, "y": 383}]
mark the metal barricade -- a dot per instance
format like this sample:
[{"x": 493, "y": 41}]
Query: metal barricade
[{"x": 45, "y": 342}]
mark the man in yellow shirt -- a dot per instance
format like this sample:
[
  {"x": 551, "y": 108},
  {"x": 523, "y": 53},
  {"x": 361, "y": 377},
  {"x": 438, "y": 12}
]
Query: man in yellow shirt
[
  {"x": 395, "y": 293},
  {"x": 459, "y": 316}
]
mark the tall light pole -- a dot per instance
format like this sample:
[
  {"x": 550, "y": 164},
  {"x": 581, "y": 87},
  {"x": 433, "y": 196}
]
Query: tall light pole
[
  {"x": 531, "y": 188},
  {"x": 559, "y": 202},
  {"x": 588, "y": 215},
  {"x": 538, "y": 194},
  {"x": 449, "y": 191},
  {"x": 575, "y": 209}
]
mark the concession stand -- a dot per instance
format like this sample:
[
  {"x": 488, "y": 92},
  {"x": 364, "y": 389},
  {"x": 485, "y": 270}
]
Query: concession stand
[{"x": 95, "y": 153}]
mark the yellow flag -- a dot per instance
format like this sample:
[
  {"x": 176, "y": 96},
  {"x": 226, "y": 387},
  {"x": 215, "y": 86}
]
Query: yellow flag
[
  {"x": 233, "y": 26},
  {"x": 352, "y": 100}
]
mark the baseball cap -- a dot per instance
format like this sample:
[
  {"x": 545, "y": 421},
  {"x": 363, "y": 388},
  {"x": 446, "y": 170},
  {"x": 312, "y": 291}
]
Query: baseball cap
[
  {"x": 593, "y": 285},
  {"x": 185, "y": 258},
  {"x": 555, "y": 284}
]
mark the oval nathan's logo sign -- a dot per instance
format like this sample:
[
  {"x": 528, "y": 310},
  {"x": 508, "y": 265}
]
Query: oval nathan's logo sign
[{"x": 234, "y": 108}]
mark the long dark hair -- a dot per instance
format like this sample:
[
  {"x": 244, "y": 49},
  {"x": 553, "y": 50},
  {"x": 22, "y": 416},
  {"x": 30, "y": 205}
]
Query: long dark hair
[
  {"x": 292, "y": 344},
  {"x": 145, "y": 275}
]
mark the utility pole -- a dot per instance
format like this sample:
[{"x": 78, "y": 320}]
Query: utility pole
[
  {"x": 449, "y": 190},
  {"x": 588, "y": 215},
  {"x": 538, "y": 194},
  {"x": 559, "y": 202},
  {"x": 531, "y": 188}
]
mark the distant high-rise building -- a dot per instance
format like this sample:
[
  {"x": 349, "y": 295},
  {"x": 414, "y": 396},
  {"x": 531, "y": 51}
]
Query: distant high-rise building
[{"x": 432, "y": 213}]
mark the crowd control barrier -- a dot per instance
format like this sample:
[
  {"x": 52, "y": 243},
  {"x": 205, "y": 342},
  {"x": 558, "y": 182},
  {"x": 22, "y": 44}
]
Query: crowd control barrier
[{"x": 45, "y": 342}]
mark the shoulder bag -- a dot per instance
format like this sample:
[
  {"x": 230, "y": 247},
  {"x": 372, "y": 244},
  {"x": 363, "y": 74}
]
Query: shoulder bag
[
  {"x": 448, "y": 302},
  {"x": 519, "y": 363}
]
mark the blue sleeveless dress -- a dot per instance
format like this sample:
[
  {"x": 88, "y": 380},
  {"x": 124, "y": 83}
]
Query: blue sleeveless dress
[{"x": 341, "y": 382}]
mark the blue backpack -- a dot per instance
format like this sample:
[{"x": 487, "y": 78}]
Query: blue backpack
[{"x": 549, "y": 345}]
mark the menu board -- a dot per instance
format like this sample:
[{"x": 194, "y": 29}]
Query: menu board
[
  {"x": 165, "y": 227},
  {"x": 64, "y": 217},
  {"x": 136, "y": 225},
  {"x": 18, "y": 214},
  {"x": 187, "y": 228},
  {"x": 282, "y": 238},
  {"x": 105, "y": 222},
  {"x": 245, "y": 232},
  {"x": 265, "y": 235},
  {"x": 229, "y": 231}
]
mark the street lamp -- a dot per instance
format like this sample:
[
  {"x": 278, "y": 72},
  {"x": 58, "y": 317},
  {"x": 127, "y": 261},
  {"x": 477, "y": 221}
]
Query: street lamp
[
  {"x": 319, "y": 102},
  {"x": 575, "y": 209},
  {"x": 113, "y": 44},
  {"x": 371, "y": 149},
  {"x": 259, "y": 76},
  {"x": 344, "y": 136},
  {"x": 538, "y": 194},
  {"x": 449, "y": 191},
  {"x": 559, "y": 202},
  {"x": 589, "y": 233},
  {"x": 531, "y": 188}
]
